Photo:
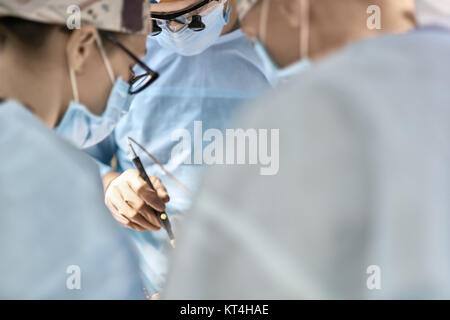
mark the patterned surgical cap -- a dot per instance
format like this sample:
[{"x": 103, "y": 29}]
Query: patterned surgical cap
[{"x": 126, "y": 16}]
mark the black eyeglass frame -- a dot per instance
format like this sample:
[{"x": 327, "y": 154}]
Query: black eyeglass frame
[
  {"x": 148, "y": 72},
  {"x": 173, "y": 16}
]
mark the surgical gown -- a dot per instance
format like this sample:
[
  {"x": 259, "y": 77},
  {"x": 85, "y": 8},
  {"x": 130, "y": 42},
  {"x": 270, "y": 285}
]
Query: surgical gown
[
  {"x": 55, "y": 231},
  {"x": 360, "y": 207},
  {"x": 207, "y": 88}
]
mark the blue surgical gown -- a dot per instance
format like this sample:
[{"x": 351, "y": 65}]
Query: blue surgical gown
[
  {"x": 53, "y": 217},
  {"x": 363, "y": 191},
  {"x": 210, "y": 88}
]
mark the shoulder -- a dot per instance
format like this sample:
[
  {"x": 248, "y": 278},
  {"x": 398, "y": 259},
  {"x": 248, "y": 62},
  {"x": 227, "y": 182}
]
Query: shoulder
[
  {"x": 231, "y": 64},
  {"x": 361, "y": 75},
  {"x": 393, "y": 55},
  {"x": 37, "y": 146},
  {"x": 158, "y": 57},
  {"x": 52, "y": 207},
  {"x": 236, "y": 45}
]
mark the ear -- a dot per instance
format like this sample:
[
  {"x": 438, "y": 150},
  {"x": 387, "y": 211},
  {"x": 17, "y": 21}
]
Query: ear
[{"x": 81, "y": 44}]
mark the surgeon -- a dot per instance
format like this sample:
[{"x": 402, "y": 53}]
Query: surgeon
[
  {"x": 208, "y": 68},
  {"x": 289, "y": 35},
  {"x": 360, "y": 207},
  {"x": 58, "y": 240}
]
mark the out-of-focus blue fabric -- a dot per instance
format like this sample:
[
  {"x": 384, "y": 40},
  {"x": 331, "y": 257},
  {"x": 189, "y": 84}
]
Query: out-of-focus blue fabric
[
  {"x": 363, "y": 190},
  {"x": 53, "y": 216}
]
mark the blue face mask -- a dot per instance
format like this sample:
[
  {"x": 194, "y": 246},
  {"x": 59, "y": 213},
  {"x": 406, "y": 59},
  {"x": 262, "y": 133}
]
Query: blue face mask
[
  {"x": 85, "y": 129},
  {"x": 188, "y": 42},
  {"x": 274, "y": 74}
]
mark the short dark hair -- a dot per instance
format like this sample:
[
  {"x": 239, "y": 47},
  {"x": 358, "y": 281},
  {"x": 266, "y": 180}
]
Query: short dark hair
[{"x": 30, "y": 33}]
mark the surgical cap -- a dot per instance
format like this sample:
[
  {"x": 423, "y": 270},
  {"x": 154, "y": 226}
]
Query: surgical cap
[
  {"x": 244, "y": 6},
  {"x": 125, "y": 16},
  {"x": 435, "y": 13}
]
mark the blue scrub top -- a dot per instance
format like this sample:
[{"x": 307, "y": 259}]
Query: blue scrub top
[
  {"x": 53, "y": 218},
  {"x": 363, "y": 192},
  {"x": 210, "y": 88}
]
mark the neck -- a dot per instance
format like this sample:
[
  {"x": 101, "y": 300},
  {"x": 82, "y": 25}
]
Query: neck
[
  {"x": 330, "y": 32},
  {"x": 29, "y": 81}
]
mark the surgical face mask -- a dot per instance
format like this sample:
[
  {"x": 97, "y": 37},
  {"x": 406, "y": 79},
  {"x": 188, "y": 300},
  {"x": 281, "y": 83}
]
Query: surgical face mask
[
  {"x": 188, "y": 42},
  {"x": 85, "y": 129},
  {"x": 275, "y": 75}
]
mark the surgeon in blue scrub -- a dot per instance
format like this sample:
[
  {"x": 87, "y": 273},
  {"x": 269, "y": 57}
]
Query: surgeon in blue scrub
[
  {"x": 367, "y": 178},
  {"x": 208, "y": 69},
  {"x": 57, "y": 239}
]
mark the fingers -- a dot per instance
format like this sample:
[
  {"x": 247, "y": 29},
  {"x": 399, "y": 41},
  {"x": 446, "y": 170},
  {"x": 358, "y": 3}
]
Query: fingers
[
  {"x": 133, "y": 203},
  {"x": 130, "y": 196},
  {"x": 127, "y": 223},
  {"x": 131, "y": 206},
  {"x": 151, "y": 215},
  {"x": 121, "y": 219},
  {"x": 133, "y": 226},
  {"x": 111, "y": 195},
  {"x": 144, "y": 192},
  {"x": 142, "y": 222},
  {"x": 151, "y": 198},
  {"x": 114, "y": 194}
]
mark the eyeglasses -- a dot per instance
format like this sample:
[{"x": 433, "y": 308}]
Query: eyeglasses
[
  {"x": 140, "y": 82},
  {"x": 191, "y": 17}
]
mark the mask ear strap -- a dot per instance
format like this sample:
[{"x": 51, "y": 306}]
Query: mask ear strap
[
  {"x": 304, "y": 28},
  {"x": 263, "y": 20},
  {"x": 227, "y": 11},
  {"x": 105, "y": 58},
  {"x": 73, "y": 82},
  {"x": 227, "y": 6}
]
